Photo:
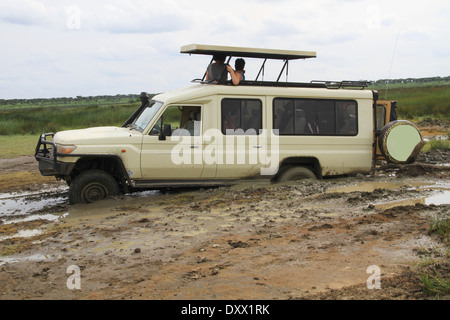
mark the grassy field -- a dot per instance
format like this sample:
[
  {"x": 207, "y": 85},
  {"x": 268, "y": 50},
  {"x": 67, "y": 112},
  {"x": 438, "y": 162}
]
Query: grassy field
[
  {"x": 20, "y": 128},
  {"x": 25, "y": 121},
  {"x": 419, "y": 101},
  {"x": 17, "y": 145}
]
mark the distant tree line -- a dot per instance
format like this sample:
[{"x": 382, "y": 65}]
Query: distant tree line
[
  {"x": 412, "y": 80},
  {"x": 78, "y": 100}
]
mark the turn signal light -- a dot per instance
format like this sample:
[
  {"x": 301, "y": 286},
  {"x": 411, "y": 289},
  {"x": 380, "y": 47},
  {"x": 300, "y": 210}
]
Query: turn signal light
[{"x": 65, "y": 149}]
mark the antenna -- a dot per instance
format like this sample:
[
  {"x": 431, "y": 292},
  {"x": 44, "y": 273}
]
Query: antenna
[{"x": 390, "y": 68}]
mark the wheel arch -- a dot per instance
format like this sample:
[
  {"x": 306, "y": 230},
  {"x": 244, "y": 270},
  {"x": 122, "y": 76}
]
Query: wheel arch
[
  {"x": 310, "y": 163},
  {"x": 111, "y": 164}
]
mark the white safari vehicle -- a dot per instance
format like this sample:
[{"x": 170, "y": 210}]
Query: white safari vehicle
[{"x": 214, "y": 133}]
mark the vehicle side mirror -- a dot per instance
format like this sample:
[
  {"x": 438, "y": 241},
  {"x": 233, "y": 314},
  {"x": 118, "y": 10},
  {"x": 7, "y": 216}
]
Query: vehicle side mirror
[{"x": 166, "y": 132}]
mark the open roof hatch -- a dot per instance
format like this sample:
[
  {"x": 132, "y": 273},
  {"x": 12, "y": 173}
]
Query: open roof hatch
[
  {"x": 273, "y": 54},
  {"x": 265, "y": 54}
]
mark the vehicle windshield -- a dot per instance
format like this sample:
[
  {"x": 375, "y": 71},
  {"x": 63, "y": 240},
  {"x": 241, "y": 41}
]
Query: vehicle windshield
[{"x": 141, "y": 122}]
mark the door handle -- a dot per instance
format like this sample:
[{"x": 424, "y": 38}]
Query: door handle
[
  {"x": 195, "y": 147},
  {"x": 258, "y": 146}
]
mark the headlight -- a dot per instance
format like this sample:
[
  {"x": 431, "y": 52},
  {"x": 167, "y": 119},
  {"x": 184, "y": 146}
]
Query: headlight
[{"x": 65, "y": 149}]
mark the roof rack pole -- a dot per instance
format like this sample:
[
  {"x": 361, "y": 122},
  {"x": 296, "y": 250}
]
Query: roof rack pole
[
  {"x": 204, "y": 75},
  {"x": 282, "y": 69},
  {"x": 287, "y": 70},
  {"x": 262, "y": 69},
  {"x": 225, "y": 70}
]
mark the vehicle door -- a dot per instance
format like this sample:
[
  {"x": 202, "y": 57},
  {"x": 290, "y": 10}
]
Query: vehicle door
[
  {"x": 172, "y": 149},
  {"x": 241, "y": 124}
]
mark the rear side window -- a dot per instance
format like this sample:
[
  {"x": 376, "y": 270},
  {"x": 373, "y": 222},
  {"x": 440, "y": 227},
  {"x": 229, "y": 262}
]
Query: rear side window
[
  {"x": 381, "y": 114},
  {"x": 315, "y": 117},
  {"x": 241, "y": 116}
]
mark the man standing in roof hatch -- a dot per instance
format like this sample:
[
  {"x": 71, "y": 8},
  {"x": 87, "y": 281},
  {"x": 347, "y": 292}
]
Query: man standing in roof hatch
[{"x": 216, "y": 70}]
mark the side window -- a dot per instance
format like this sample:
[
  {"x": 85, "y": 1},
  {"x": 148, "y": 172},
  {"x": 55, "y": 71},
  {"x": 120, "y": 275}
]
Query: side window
[
  {"x": 381, "y": 113},
  {"x": 314, "y": 117},
  {"x": 283, "y": 115},
  {"x": 318, "y": 116},
  {"x": 183, "y": 120},
  {"x": 346, "y": 117},
  {"x": 241, "y": 116}
]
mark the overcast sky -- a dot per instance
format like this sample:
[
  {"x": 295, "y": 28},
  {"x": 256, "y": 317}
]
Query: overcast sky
[{"x": 59, "y": 48}]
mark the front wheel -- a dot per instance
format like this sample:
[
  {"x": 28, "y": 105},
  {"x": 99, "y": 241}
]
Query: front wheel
[
  {"x": 92, "y": 185},
  {"x": 296, "y": 173}
]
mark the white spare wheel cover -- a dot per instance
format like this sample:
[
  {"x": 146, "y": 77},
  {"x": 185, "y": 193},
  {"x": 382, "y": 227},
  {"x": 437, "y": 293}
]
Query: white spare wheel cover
[{"x": 400, "y": 141}]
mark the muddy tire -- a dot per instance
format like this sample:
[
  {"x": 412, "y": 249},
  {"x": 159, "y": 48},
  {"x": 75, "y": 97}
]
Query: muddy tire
[
  {"x": 92, "y": 185},
  {"x": 296, "y": 173}
]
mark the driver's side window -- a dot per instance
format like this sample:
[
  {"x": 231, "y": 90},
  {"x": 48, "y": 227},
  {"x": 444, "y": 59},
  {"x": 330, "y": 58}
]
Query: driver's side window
[
  {"x": 156, "y": 130},
  {"x": 182, "y": 120}
]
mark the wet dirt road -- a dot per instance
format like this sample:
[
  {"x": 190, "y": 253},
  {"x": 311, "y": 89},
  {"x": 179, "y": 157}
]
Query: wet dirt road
[{"x": 308, "y": 240}]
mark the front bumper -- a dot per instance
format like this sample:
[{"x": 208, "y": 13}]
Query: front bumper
[{"x": 46, "y": 154}]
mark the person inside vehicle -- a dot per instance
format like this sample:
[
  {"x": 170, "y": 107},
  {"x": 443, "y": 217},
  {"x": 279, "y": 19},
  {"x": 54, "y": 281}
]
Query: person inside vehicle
[
  {"x": 311, "y": 124},
  {"x": 216, "y": 70},
  {"x": 346, "y": 121},
  {"x": 230, "y": 117},
  {"x": 238, "y": 74}
]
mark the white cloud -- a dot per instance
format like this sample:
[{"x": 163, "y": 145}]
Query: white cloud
[
  {"x": 69, "y": 48},
  {"x": 23, "y": 12},
  {"x": 139, "y": 18}
]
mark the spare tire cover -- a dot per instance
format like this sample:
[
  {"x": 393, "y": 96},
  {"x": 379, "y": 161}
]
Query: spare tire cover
[{"x": 400, "y": 141}]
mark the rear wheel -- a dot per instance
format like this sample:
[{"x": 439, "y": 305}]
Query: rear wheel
[
  {"x": 296, "y": 173},
  {"x": 92, "y": 185}
]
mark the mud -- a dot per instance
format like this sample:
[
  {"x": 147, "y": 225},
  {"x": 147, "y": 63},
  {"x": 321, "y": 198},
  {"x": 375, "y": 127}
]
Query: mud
[{"x": 304, "y": 240}]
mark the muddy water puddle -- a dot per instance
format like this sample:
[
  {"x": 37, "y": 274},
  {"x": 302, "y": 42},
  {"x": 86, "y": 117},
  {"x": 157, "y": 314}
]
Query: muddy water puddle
[
  {"x": 438, "y": 193},
  {"x": 22, "y": 203},
  {"x": 372, "y": 186},
  {"x": 26, "y": 203},
  {"x": 34, "y": 257},
  {"x": 436, "y": 198}
]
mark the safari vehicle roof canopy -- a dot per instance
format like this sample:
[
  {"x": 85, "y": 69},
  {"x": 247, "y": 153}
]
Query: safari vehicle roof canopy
[
  {"x": 273, "y": 54},
  {"x": 247, "y": 52}
]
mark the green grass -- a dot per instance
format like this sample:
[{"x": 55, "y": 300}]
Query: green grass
[
  {"x": 39, "y": 120},
  {"x": 431, "y": 101},
  {"x": 20, "y": 128},
  {"x": 435, "y": 277},
  {"x": 435, "y": 284},
  {"x": 17, "y": 145},
  {"x": 442, "y": 228},
  {"x": 434, "y": 145},
  {"x": 439, "y": 145}
]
